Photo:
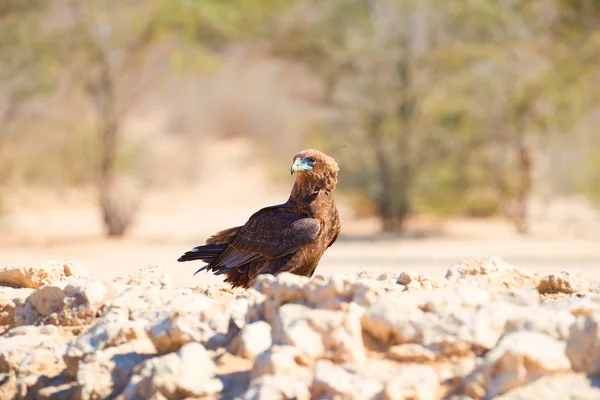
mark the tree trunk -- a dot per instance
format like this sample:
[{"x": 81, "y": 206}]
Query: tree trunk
[
  {"x": 116, "y": 221},
  {"x": 389, "y": 194},
  {"x": 521, "y": 213},
  {"x": 405, "y": 115},
  {"x": 116, "y": 216}
]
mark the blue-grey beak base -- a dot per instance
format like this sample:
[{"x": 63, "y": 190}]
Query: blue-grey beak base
[{"x": 301, "y": 165}]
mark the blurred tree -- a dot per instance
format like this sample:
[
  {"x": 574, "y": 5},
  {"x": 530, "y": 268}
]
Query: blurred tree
[
  {"x": 373, "y": 57},
  {"x": 533, "y": 91},
  {"x": 376, "y": 59},
  {"x": 26, "y": 69},
  {"x": 116, "y": 51},
  {"x": 576, "y": 35},
  {"x": 457, "y": 98}
]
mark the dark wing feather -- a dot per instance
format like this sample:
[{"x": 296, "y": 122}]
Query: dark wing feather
[
  {"x": 270, "y": 234},
  {"x": 223, "y": 237},
  {"x": 207, "y": 253}
]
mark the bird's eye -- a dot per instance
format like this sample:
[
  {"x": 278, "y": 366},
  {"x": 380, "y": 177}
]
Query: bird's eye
[{"x": 312, "y": 160}]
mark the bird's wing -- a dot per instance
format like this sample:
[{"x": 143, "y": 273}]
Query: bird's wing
[
  {"x": 269, "y": 234},
  {"x": 224, "y": 236},
  {"x": 336, "y": 222}
]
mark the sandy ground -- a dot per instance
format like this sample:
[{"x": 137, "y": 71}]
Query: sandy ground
[{"x": 45, "y": 225}]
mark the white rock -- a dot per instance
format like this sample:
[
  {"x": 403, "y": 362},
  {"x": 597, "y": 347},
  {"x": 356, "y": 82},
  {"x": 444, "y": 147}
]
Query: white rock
[
  {"x": 410, "y": 352},
  {"x": 554, "y": 323},
  {"x": 367, "y": 293},
  {"x": 418, "y": 382},
  {"x": 190, "y": 372},
  {"x": 555, "y": 388},
  {"x": 178, "y": 329},
  {"x": 10, "y": 299},
  {"x": 563, "y": 282},
  {"x": 101, "y": 336},
  {"x": 47, "y": 300},
  {"x": 394, "y": 318},
  {"x": 32, "y": 350},
  {"x": 281, "y": 360},
  {"x": 105, "y": 373},
  {"x": 450, "y": 321},
  {"x": 9, "y": 387},
  {"x": 285, "y": 287},
  {"x": 519, "y": 358},
  {"x": 38, "y": 276},
  {"x": 150, "y": 276},
  {"x": 457, "y": 331},
  {"x": 583, "y": 346},
  {"x": 578, "y": 306},
  {"x": 489, "y": 272},
  {"x": 253, "y": 339},
  {"x": 70, "y": 302},
  {"x": 271, "y": 387},
  {"x": 333, "y": 381},
  {"x": 334, "y": 335}
]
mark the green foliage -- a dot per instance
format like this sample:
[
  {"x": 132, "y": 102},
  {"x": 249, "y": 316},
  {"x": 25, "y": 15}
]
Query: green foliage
[
  {"x": 447, "y": 105},
  {"x": 28, "y": 68},
  {"x": 436, "y": 107}
]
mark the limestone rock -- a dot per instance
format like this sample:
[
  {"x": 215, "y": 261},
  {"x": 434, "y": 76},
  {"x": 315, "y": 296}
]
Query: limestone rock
[
  {"x": 554, "y": 323},
  {"x": 333, "y": 381},
  {"x": 103, "y": 335},
  {"x": 8, "y": 386},
  {"x": 85, "y": 300},
  {"x": 492, "y": 271},
  {"x": 150, "y": 276},
  {"x": 334, "y": 335},
  {"x": 449, "y": 321},
  {"x": 38, "y": 276},
  {"x": 70, "y": 302},
  {"x": 394, "y": 318},
  {"x": 414, "y": 281},
  {"x": 10, "y": 300},
  {"x": 410, "y": 352},
  {"x": 189, "y": 372},
  {"x": 570, "y": 386},
  {"x": 47, "y": 300},
  {"x": 153, "y": 304},
  {"x": 32, "y": 350},
  {"x": 418, "y": 382},
  {"x": 583, "y": 346},
  {"x": 252, "y": 340},
  {"x": 367, "y": 293},
  {"x": 281, "y": 360},
  {"x": 179, "y": 328},
  {"x": 105, "y": 373},
  {"x": 283, "y": 387},
  {"x": 519, "y": 358},
  {"x": 563, "y": 282},
  {"x": 577, "y": 306},
  {"x": 283, "y": 288},
  {"x": 334, "y": 293},
  {"x": 484, "y": 332}
]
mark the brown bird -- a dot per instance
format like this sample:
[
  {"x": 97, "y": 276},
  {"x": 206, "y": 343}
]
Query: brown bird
[{"x": 288, "y": 237}]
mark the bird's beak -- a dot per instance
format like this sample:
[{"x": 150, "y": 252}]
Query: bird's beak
[{"x": 300, "y": 165}]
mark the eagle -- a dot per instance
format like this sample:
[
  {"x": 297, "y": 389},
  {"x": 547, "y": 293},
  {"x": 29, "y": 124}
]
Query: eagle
[{"x": 290, "y": 237}]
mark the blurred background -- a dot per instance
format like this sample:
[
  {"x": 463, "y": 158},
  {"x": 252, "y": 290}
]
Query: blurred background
[{"x": 131, "y": 130}]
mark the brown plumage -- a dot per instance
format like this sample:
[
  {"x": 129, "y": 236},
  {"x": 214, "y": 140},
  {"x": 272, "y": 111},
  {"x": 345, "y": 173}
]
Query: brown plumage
[{"x": 288, "y": 237}]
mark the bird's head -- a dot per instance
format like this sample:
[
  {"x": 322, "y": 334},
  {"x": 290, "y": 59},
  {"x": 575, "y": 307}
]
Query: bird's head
[{"x": 317, "y": 166}]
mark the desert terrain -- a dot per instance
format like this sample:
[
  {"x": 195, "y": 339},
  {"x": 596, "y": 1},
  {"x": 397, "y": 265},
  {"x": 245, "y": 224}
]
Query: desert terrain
[
  {"x": 427, "y": 315},
  {"x": 45, "y": 224}
]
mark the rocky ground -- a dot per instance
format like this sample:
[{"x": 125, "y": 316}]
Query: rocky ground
[{"x": 486, "y": 330}]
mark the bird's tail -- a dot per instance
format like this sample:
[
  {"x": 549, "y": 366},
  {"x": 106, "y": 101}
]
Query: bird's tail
[{"x": 206, "y": 253}]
